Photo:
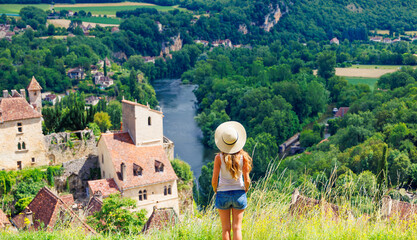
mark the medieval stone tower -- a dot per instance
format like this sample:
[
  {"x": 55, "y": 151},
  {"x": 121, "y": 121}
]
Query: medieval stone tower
[
  {"x": 35, "y": 97},
  {"x": 144, "y": 125}
]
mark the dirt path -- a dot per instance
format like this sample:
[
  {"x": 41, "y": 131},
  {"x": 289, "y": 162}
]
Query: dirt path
[{"x": 104, "y": 4}]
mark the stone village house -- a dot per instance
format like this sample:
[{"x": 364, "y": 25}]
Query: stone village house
[
  {"x": 22, "y": 141},
  {"x": 135, "y": 162}
]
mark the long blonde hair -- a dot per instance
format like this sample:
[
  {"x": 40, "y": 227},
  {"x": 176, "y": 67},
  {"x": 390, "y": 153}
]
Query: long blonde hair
[{"x": 232, "y": 163}]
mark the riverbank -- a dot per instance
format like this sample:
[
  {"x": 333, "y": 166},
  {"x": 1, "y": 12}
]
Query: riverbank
[{"x": 178, "y": 104}]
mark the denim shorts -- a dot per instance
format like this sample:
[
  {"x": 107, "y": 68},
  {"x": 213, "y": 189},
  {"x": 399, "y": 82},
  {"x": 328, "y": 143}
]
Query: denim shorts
[{"x": 231, "y": 199}]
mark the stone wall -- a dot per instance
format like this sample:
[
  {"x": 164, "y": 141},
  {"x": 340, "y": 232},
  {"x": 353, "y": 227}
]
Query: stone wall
[
  {"x": 169, "y": 148},
  {"x": 66, "y": 146},
  {"x": 76, "y": 175}
]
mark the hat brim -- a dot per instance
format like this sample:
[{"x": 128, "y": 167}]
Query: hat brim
[{"x": 238, "y": 145}]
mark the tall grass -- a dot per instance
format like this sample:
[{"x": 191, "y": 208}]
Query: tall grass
[{"x": 267, "y": 217}]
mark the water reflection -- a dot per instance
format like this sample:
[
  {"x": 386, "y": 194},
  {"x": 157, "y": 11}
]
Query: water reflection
[{"x": 178, "y": 105}]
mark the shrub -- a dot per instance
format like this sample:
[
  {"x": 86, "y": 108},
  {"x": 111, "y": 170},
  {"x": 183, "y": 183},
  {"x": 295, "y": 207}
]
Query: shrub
[{"x": 182, "y": 169}]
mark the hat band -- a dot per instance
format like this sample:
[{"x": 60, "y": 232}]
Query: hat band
[{"x": 232, "y": 142}]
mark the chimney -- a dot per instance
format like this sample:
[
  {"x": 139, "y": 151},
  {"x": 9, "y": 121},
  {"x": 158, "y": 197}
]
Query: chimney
[
  {"x": 23, "y": 93},
  {"x": 123, "y": 171},
  {"x": 5, "y": 94},
  {"x": 29, "y": 216}
]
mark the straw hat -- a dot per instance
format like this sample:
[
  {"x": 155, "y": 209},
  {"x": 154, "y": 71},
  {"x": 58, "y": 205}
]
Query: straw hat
[{"x": 230, "y": 137}]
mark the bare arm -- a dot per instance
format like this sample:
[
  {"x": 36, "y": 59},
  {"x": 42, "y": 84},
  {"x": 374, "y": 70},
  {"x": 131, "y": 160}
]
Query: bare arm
[
  {"x": 216, "y": 171},
  {"x": 246, "y": 177}
]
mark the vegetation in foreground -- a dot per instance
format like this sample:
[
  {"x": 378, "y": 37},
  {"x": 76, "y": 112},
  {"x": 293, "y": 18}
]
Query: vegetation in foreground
[{"x": 267, "y": 217}]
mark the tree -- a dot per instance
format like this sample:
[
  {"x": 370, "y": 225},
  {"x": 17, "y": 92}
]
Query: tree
[
  {"x": 182, "y": 170},
  {"x": 114, "y": 109},
  {"x": 326, "y": 62},
  {"x": 205, "y": 190},
  {"x": 382, "y": 172},
  {"x": 51, "y": 29},
  {"x": 116, "y": 216},
  {"x": 102, "y": 119},
  {"x": 308, "y": 138}
]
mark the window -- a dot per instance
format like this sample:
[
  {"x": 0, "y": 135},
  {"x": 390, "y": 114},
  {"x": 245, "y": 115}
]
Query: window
[
  {"x": 169, "y": 190},
  {"x": 140, "y": 195},
  {"x": 19, "y": 127},
  {"x": 149, "y": 121},
  {"x": 19, "y": 165},
  {"x": 102, "y": 158},
  {"x": 137, "y": 170},
  {"x": 23, "y": 145},
  {"x": 33, "y": 160},
  {"x": 165, "y": 191},
  {"x": 19, "y": 146},
  {"x": 159, "y": 167},
  {"x": 145, "y": 196}
]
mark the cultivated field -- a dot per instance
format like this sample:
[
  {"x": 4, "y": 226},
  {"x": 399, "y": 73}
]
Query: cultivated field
[
  {"x": 111, "y": 8},
  {"x": 100, "y": 20},
  {"x": 363, "y": 72},
  {"x": 356, "y": 80},
  {"x": 65, "y": 23},
  {"x": 381, "y": 32},
  {"x": 15, "y": 8}
]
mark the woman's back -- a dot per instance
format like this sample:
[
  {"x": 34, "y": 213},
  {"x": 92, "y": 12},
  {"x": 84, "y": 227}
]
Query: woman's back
[{"x": 226, "y": 180}]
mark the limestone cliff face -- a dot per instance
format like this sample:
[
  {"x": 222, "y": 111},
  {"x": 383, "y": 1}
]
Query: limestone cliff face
[
  {"x": 272, "y": 18},
  {"x": 177, "y": 45},
  {"x": 274, "y": 15},
  {"x": 243, "y": 29}
]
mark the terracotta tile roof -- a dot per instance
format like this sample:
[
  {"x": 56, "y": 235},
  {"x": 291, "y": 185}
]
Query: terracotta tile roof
[
  {"x": 68, "y": 199},
  {"x": 141, "y": 105},
  {"x": 104, "y": 186},
  {"x": 160, "y": 219},
  {"x": 94, "y": 205},
  {"x": 398, "y": 209},
  {"x": 34, "y": 85},
  {"x": 123, "y": 150},
  {"x": 48, "y": 209},
  {"x": 301, "y": 205},
  {"x": 341, "y": 112},
  {"x": 19, "y": 220},
  {"x": 18, "y": 108},
  {"x": 4, "y": 220}
]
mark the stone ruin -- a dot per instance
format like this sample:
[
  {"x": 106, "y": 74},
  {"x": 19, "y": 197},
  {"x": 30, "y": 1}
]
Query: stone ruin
[{"x": 66, "y": 146}]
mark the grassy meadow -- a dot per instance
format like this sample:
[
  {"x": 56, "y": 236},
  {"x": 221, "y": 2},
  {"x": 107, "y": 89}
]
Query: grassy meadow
[
  {"x": 267, "y": 217},
  {"x": 102, "y": 9},
  {"x": 95, "y": 8},
  {"x": 15, "y": 8},
  {"x": 102, "y": 20},
  {"x": 356, "y": 80}
]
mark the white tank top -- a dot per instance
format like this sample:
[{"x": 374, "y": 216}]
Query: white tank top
[{"x": 226, "y": 181}]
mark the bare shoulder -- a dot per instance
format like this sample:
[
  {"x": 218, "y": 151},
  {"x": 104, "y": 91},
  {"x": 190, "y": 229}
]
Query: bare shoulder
[{"x": 217, "y": 159}]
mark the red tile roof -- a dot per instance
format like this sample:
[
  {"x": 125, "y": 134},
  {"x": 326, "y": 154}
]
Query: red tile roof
[
  {"x": 341, "y": 112},
  {"x": 34, "y": 85},
  {"x": 160, "y": 219},
  {"x": 16, "y": 108},
  {"x": 4, "y": 220},
  {"x": 123, "y": 150},
  {"x": 104, "y": 186},
  {"x": 94, "y": 205},
  {"x": 68, "y": 199},
  {"x": 48, "y": 209}
]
